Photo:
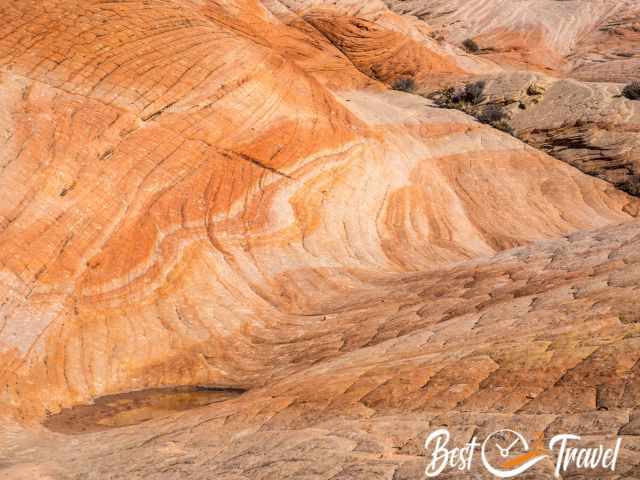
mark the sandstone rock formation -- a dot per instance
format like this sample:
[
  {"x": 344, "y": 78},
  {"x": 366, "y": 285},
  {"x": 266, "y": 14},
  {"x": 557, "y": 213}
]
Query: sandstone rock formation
[
  {"x": 543, "y": 337},
  {"x": 594, "y": 40},
  {"x": 591, "y": 126},
  {"x": 230, "y": 251},
  {"x": 521, "y": 43}
]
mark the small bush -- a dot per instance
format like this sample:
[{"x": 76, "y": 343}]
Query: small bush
[
  {"x": 471, "y": 46},
  {"x": 504, "y": 126},
  {"x": 471, "y": 94},
  {"x": 495, "y": 116},
  {"x": 467, "y": 100},
  {"x": 406, "y": 84},
  {"x": 535, "y": 89},
  {"x": 446, "y": 98},
  {"x": 632, "y": 91},
  {"x": 492, "y": 114},
  {"x": 474, "y": 92}
]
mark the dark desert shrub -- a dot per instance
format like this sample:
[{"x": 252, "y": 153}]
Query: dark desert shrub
[
  {"x": 474, "y": 92},
  {"x": 632, "y": 91},
  {"x": 471, "y": 46},
  {"x": 495, "y": 116},
  {"x": 405, "y": 84},
  {"x": 492, "y": 113},
  {"x": 447, "y": 98},
  {"x": 462, "y": 99},
  {"x": 504, "y": 126},
  {"x": 467, "y": 100}
]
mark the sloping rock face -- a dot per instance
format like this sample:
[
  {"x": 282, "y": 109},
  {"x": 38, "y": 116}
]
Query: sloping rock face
[
  {"x": 222, "y": 204},
  {"x": 167, "y": 209},
  {"x": 384, "y": 45},
  {"x": 591, "y": 126},
  {"x": 593, "y": 40},
  {"x": 610, "y": 53},
  {"x": 582, "y": 52},
  {"x": 545, "y": 338}
]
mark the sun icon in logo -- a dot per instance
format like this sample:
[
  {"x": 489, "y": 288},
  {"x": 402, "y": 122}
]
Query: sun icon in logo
[{"x": 506, "y": 453}]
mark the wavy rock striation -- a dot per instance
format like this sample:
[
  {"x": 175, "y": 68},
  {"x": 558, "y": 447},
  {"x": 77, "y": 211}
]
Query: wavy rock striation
[
  {"x": 543, "y": 337},
  {"x": 593, "y": 40},
  {"x": 220, "y": 204},
  {"x": 591, "y": 126}
]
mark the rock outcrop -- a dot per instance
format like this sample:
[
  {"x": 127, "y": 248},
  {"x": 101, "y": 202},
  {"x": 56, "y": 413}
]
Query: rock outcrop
[
  {"x": 520, "y": 45},
  {"x": 545, "y": 338},
  {"x": 591, "y": 126},
  {"x": 592, "y": 40}
]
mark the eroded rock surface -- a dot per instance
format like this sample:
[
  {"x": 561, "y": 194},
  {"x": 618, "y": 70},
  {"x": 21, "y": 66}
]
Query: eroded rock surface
[
  {"x": 591, "y": 126},
  {"x": 593, "y": 40},
  {"x": 544, "y": 337},
  {"x": 221, "y": 210}
]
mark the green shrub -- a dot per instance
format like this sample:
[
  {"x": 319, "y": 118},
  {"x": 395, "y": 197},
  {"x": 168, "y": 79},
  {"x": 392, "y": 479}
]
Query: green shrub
[
  {"x": 450, "y": 97},
  {"x": 445, "y": 98},
  {"x": 504, "y": 126}
]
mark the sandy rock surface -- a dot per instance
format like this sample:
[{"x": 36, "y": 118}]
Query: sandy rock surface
[
  {"x": 545, "y": 337},
  {"x": 229, "y": 250},
  {"x": 594, "y": 40},
  {"x": 591, "y": 126}
]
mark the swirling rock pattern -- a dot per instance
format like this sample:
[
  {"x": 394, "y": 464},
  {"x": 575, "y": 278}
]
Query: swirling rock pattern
[
  {"x": 543, "y": 337},
  {"x": 584, "y": 121},
  {"x": 202, "y": 196}
]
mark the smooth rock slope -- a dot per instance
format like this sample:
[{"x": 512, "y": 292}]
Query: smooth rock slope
[{"x": 219, "y": 209}]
